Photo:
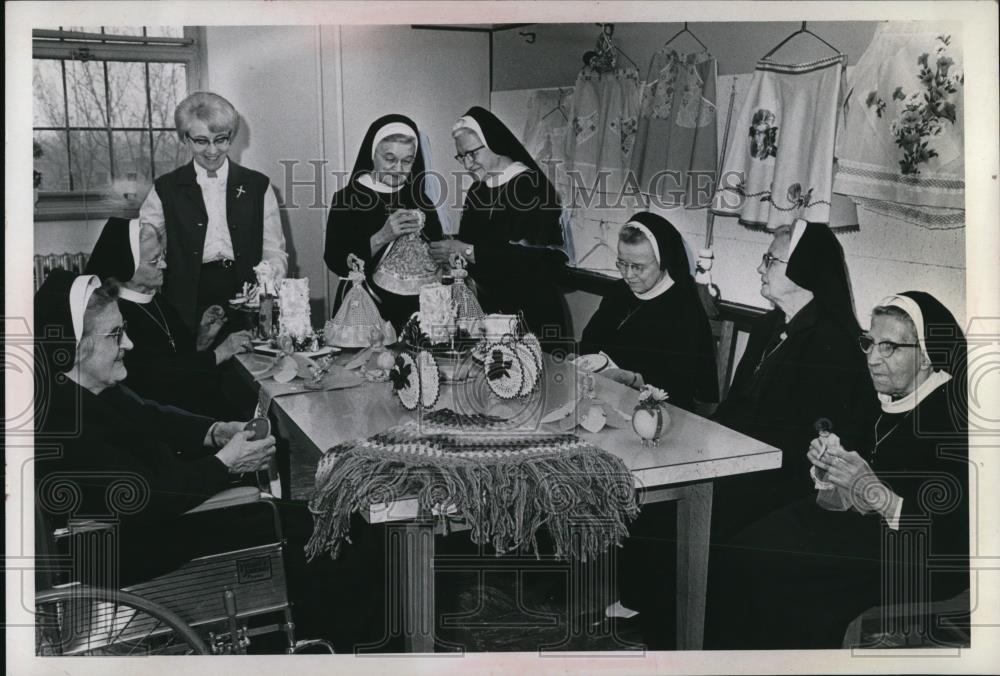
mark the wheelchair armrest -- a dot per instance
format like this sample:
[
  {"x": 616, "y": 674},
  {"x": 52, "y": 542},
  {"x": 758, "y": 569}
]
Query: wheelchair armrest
[{"x": 241, "y": 495}]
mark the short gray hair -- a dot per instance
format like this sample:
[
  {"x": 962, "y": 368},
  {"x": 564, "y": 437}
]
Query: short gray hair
[{"x": 212, "y": 109}]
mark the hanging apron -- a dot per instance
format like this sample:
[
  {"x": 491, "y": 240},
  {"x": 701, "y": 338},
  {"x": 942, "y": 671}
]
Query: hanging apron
[{"x": 779, "y": 164}]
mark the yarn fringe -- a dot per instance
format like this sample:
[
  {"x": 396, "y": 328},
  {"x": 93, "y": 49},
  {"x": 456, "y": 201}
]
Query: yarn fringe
[{"x": 504, "y": 486}]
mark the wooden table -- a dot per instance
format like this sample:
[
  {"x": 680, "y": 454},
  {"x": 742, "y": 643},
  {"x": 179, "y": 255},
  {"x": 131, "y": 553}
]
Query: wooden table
[{"x": 681, "y": 468}]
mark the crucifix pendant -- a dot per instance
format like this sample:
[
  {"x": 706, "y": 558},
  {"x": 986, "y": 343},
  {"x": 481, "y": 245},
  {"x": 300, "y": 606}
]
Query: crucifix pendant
[{"x": 173, "y": 345}]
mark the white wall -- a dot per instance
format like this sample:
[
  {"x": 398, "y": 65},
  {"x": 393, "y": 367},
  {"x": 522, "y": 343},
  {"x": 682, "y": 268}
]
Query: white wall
[{"x": 885, "y": 256}]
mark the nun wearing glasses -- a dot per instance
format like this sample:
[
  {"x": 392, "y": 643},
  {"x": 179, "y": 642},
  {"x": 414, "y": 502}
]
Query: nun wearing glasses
[
  {"x": 651, "y": 324},
  {"x": 167, "y": 363},
  {"x": 801, "y": 367},
  {"x": 385, "y": 199},
  {"x": 219, "y": 219},
  {"x": 796, "y": 579},
  {"x": 510, "y": 233}
]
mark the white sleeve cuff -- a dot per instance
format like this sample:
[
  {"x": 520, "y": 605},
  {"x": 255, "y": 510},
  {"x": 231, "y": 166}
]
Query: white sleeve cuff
[
  {"x": 893, "y": 520},
  {"x": 274, "y": 239}
]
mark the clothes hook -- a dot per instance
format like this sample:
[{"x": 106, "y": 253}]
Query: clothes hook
[{"x": 528, "y": 36}]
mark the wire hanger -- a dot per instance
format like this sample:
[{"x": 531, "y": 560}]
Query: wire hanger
[
  {"x": 801, "y": 30},
  {"x": 559, "y": 106},
  {"x": 688, "y": 31}
]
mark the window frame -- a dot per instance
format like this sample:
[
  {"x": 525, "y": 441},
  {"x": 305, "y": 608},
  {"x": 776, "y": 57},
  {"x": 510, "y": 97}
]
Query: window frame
[{"x": 56, "y": 205}]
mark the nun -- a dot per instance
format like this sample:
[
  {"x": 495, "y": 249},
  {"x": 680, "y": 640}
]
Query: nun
[
  {"x": 111, "y": 442},
  {"x": 167, "y": 363},
  {"x": 385, "y": 199},
  {"x": 510, "y": 233},
  {"x": 107, "y": 454},
  {"x": 796, "y": 579},
  {"x": 801, "y": 367},
  {"x": 651, "y": 324}
]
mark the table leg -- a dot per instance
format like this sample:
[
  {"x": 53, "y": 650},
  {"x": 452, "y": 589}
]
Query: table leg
[
  {"x": 694, "y": 520},
  {"x": 415, "y": 550}
]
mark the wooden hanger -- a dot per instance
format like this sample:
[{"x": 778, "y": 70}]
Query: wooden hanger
[
  {"x": 681, "y": 32},
  {"x": 801, "y": 30}
]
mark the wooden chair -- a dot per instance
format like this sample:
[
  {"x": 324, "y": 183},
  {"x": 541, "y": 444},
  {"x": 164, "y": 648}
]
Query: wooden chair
[
  {"x": 46, "y": 263},
  {"x": 724, "y": 335}
]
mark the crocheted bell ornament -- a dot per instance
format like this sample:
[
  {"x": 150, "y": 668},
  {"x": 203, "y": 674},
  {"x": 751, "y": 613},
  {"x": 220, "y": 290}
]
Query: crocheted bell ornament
[
  {"x": 358, "y": 315},
  {"x": 407, "y": 265}
]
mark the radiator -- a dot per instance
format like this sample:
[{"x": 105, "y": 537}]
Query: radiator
[{"x": 45, "y": 263}]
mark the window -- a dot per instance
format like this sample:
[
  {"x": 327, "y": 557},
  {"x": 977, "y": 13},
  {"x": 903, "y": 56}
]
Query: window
[{"x": 103, "y": 124}]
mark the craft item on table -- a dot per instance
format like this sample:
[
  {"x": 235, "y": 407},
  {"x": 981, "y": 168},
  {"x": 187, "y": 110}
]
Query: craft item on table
[
  {"x": 901, "y": 150},
  {"x": 468, "y": 312},
  {"x": 294, "y": 319},
  {"x": 675, "y": 145},
  {"x": 415, "y": 379},
  {"x": 249, "y": 296},
  {"x": 267, "y": 280},
  {"x": 500, "y": 484},
  {"x": 586, "y": 410},
  {"x": 437, "y": 313},
  {"x": 779, "y": 163},
  {"x": 604, "y": 118},
  {"x": 358, "y": 315},
  {"x": 406, "y": 265},
  {"x": 651, "y": 419},
  {"x": 505, "y": 373},
  {"x": 594, "y": 363}
]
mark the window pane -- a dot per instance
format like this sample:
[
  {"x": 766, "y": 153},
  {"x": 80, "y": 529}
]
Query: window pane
[
  {"x": 90, "y": 163},
  {"x": 81, "y": 29},
  {"x": 53, "y": 164},
  {"x": 132, "y": 165},
  {"x": 165, "y": 31},
  {"x": 169, "y": 152},
  {"x": 167, "y": 88},
  {"x": 85, "y": 89},
  {"x": 128, "y": 94},
  {"x": 49, "y": 110}
]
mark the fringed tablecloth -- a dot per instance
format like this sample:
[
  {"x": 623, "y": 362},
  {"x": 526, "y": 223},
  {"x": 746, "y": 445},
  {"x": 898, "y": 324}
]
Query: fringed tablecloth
[{"x": 505, "y": 484}]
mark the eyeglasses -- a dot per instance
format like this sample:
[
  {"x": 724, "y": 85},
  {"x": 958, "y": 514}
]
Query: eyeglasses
[
  {"x": 219, "y": 141},
  {"x": 636, "y": 268},
  {"x": 118, "y": 334},
  {"x": 468, "y": 155},
  {"x": 885, "y": 348},
  {"x": 768, "y": 259}
]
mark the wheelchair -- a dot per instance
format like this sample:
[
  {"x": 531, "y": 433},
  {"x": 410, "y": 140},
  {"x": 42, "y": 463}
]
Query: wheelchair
[{"x": 218, "y": 603}]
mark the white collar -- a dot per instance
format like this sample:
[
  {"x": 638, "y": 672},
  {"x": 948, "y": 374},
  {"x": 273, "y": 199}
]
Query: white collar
[
  {"x": 367, "y": 181},
  {"x": 512, "y": 170},
  {"x": 658, "y": 289},
  {"x": 913, "y": 399},
  {"x": 135, "y": 296},
  {"x": 222, "y": 173}
]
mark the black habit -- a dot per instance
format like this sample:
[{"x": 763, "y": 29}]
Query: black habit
[
  {"x": 516, "y": 231},
  {"x": 163, "y": 364},
  {"x": 792, "y": 375},
  {"x": 796, "y": 579},
  {"x": 666, "y": 338},
  {"x": 357, "y": 212}
]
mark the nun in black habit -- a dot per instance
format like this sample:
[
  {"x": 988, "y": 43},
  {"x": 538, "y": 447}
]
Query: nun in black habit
[
  {"x": 377, "y": 207},
  {"x": 801, "y": 365},
  {"x": 510, "y": 232},
  {"x": 651, "y": 324},
  {"x": 103, "y": 453},
  {"x": 167, "y": 363},
  {"x": 797, "y": 578}
]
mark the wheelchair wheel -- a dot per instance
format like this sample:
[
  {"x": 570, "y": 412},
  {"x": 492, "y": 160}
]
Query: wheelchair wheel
[{"x": 81, "y": 620}]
